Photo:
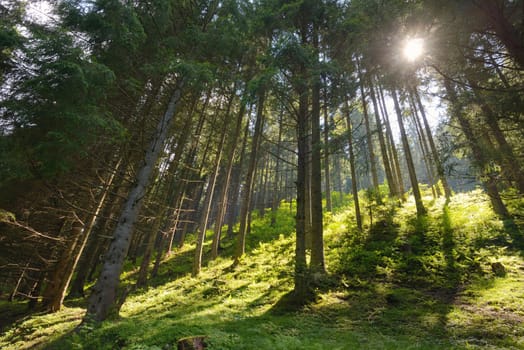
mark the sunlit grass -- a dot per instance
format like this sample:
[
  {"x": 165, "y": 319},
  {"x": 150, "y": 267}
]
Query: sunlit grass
[{"x": 402, "y": 283}]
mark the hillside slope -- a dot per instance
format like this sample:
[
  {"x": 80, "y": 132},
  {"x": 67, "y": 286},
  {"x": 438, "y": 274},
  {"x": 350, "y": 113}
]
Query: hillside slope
[{"x": 454, "y": 279}]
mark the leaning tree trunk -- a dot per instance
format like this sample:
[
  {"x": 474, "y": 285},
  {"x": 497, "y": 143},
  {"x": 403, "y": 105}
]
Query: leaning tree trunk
[
  {"x": 478, "y": 155},
  {"x": 56, "y": 291},
  {"x": 197, "y": 263},
  {"x": 409, "y": 159},
  {"x": 104, "y": 294}
]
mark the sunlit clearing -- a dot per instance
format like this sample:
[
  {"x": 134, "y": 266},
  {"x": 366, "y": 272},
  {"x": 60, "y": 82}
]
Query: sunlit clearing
[{"x": 413, "y": 48}]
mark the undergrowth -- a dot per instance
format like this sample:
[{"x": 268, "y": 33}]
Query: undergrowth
[{"x": 450, "y": 280}]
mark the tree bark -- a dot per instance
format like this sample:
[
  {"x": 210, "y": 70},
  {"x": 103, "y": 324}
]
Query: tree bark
[
  {"x": 104, "y": 295},
  {"x": 421, "y": 210},
  {"x": 392, "y": 185},
  {"x": 227, "y": 180},
  {"x": 369, "y": 139},
  {"x": 433, "y": 147},
  {"x": 393, "y": 149},
  {"x": 317, "y": 264},
  {"x": 478, "y": 155},
  {"x": 354, "y": 186},
  {"x": 250, "y": 176},
  {"x": 327, "y": 171}
]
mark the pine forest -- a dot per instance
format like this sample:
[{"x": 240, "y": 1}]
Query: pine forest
[{"x": 261, "y": 174}]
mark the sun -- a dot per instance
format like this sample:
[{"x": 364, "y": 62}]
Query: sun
[{"x": 413, "y": 49}]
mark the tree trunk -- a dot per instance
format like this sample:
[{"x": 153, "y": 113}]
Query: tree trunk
[
  {"x": 393, "y": 149},
  {"x": 392, "y": 185},
  {"x": 369, "y": 139},
  {"x": 227, "y": 180},
  {"x": 434, "y": 152},
  {"x": 409, "y": 159},
  {"x": 104, "y": 295},
  {"x": 354, "y": 186},
  {"x": 424, "y": 148},
  {"x": 235, "y": 188},
  {"x": 478, "y": 155},
  {"x": 327, "y": 171},
  {"x": 247, "y": 192},
  {"x": 275, "y": 201},
  {"x": 317, "y": 264},
  {"x": 197, "y": 263},
  {"x": 301, "y": 288}
]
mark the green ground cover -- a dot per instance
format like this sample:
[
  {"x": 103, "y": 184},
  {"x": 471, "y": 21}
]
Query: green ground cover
[{"x": 451, "y": 280}]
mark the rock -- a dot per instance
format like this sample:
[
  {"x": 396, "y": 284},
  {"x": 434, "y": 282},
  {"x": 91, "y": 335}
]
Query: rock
[
  {"x": 498, "y": 269},
  {"x": 192, "y": 343}
]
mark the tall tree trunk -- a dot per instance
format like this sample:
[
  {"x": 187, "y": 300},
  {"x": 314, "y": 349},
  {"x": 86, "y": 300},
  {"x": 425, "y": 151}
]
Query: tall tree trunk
[
  {"x": 392, "y": 184},
  {"x": 104, "y": 295},
  {"x": 227, "y": 180},
  {"x": 424, "y": 148},
  {"x": 369, "y": 138},
  {"x": 317, "y": 264},
  {"x": 434, "y": 152},
  {"x": 197, "y": 263},
  {"x": 301, "y": 288},
  {"x": 56, "y": 292},
  {"x": 250, "y": 176},
  {"x": 421, "y": 210},
  {"x": 275, "y": 201},
  {"x": 235, "y": 190},
  {"x": 327, "y": 171},
  {"x": 479, "y": 157},
  {"x": 354, "y": 186},
  {"x": 393, "y": 149}
]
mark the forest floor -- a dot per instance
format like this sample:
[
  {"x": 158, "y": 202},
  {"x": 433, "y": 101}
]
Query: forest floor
[{"x": 451, "y": 280}]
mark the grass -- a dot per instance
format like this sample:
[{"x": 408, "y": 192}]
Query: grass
[{"x": 402, "y": 283}]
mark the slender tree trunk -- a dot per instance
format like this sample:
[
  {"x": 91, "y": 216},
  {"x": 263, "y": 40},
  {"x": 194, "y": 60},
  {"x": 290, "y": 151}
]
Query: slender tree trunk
[
  {"x": 393, "y": 149},
  {"x": 369, "y": 139},
  {"x": 354, "y": 186},
  {"x": 392, "y": 185},
  {"x": 327, "y": 171},
  {"x": 317, "y": 264},
  {"x": 235, "y": 191},
  {"x": 227, "y": 180},
  {"x": 428, "y": 164},
  {"x": 250, "y": 176},
  {"x": 197, "y": 263},
  {"x": 421, "y": 210},
  {"x": 433, "y": 147},
  {"x": 276, "y": 184},
  {"x": 104, "y": 295}
]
